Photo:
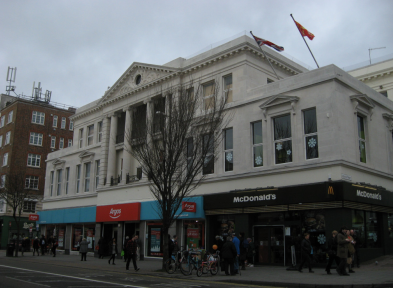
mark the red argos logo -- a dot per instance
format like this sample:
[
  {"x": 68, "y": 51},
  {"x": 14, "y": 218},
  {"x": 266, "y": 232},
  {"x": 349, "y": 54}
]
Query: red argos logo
[
  {"x": 115, "y": 213},
  {"x": 188, "y": 206},
  {"x": 34, "y": 217}
]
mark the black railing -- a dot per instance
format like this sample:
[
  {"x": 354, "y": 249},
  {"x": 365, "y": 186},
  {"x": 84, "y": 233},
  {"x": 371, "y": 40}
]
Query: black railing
[
  {"x": 116, "y": 180},
  {"x": 131, "y": 178}
]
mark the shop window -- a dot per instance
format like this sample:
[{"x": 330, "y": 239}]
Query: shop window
[
  {"x": 257, "y": 144},
  {"x": 89, "y": 234},
  {"x": 228, "y": 149},
  {"x": 77, "y": 235},
  {"x": 313, "y": 222},
  {"x": 390, "y": 225},
  {"x": 61, "y": 236},
  {"x": 155, "y": 240},
  {"x": 310, "y": 133},
  {"x": 194, "y": 234},
  {"x": 366, "y": 227},
  {"x": 283, "y": 139},
  {"x": 208, "y": 146},
  {"x": 228, "y": 88},
  {"x": 362, "y": 139}
]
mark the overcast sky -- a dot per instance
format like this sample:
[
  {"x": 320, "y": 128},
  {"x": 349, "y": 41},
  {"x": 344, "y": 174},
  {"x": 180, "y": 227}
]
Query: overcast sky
[{"x": 76, "y": 49}]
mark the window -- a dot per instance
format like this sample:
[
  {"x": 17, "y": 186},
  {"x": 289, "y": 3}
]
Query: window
[
  {"x": 190, "y": 152},
  {"x": 55, "y": 120},
  {"x": 228, "y": 149},
  {"x": 29, "y": 206},
  {"x": 283, "y": 139},
  {"x": 38, "y": 117},
  {"x": 257, "y": 144},
  {"x": 78, "y": 177},
  {"x": 59, "y": 178},
  {"x": 97, "y": 173},
  {"x": 2, "y": 184},
  {"x": 61, "y": 144},
  {"x": 51, "y": 182},
  {"x": 31, "y": 182},
  {"x": 87, "y": 176},
  {"x": 10, "y": 115},
  {"x": 99, "y": 136},
  {"x": 5, "y": 159},
  {"x": 190, "y": 93},
  {"x": 35, "y": 138},
  {"x": 2, "y": 119},
  {"x": 310, "y": 131},
  {"x": 208, "y": 95},
  {"x": 208, "y": 145},
  {"x": 69, "y": 142},
  {"x": 7, "y": 138},
  {"x": 71, "y": 125},
  {"x": 67, "y": 179},
  {"x": 81, "y": 138},
  {"x": 53, "y": 142},
  {"x": 63, "y": 122},
  {"x": 1, "y": 140},
  {"x": 33, "y": 160},
  {"x": 362, "y": 139},
  {"x": 139, "y": 173},
  {"x": 90, "y": 134},
  {"x": 228, "y": 88}
]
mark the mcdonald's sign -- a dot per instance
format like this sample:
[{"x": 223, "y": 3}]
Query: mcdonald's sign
[{"x": 330, "y": 190}]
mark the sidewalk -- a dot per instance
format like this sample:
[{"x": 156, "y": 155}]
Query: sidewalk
[{"x": 368, "y": 275}]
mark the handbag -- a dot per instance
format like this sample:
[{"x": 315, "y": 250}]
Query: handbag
[
  {"x": 349, "y": 260},
  {"x": 122, "y": 253}
]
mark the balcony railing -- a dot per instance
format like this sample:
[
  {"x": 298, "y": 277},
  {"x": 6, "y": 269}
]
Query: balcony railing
[
  {"x": 131, "y": 178},
  {"x": 116, "y": 180}
]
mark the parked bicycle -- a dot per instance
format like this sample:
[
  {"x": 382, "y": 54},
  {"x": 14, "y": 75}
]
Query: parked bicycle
[
  {"x": 174, "y": 262},
  {"x": 192, "y": 262},
  {"x": 211, "y": 264}
]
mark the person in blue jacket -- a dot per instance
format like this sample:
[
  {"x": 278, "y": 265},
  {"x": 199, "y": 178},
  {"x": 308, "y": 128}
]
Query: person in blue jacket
[{"x": 236, "y": 241}]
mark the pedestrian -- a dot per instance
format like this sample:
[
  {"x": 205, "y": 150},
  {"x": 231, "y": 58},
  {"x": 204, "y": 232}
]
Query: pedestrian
[
  {"x": 229, "y": 253},
  {"x": 54, "y": 246},
  {"x": 124, "y": 248},
  {"x": 43, "y": 245},
  {"x": 236, "y": 241},
  {"x": 113, "y": 251},
  {"x": 342, "y": 251},
  {"x": 250, "y": 253},
  {"x": 243, "y": 250},
  {"x": 175, "y": 245},
  {"x": 83, "y": 246},
  {"x": 132, "y": 246},
  {"x": 138, "y": 247},
  {"x": 351, "y": 252},
  {"x": 357, "y": 247},
  {"x": 36, "y": 246},
  {"x": 307, "y": 253},
  {"x": 49, "y": 243},
  {"x": 219, "y": 242},
  {"x": 101, "y": 248},
  {"x": 332, "y": 252}
]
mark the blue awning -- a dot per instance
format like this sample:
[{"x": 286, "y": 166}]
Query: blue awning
[{"x": 72, "y": 215}]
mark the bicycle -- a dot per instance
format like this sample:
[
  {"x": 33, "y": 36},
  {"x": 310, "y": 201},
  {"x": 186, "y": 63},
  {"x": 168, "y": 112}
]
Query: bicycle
[
  {"x": 191, "y": 263},
  {"x": 174, "y": 263},
  {"x": 211, "y": 264}
]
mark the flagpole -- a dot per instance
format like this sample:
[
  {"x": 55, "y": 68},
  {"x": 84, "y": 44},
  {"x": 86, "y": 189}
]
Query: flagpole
[
  {"x": 305, "y": 42},
  {"x": 265, "y": 56}
]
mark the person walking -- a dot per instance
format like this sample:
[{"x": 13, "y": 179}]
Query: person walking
[
  {"x": 342, "y": 251},
  {"x": 113, "y": 251},
  {"x": 228, "y": 253},
  {"x": 357, "y": 247},
  {"x": 243, "y": 250},
  {"x": 125, "y": 248},
  {"x": 307, "y": 252},
  {"x": 236, "y": 241},
  {"x": 54, "y": 246},
  {"x": 36, "y": 246},
  {"x": 43, "y": 245},
  {"x": 351, "y": 252},
  {"x": 250, "y": 253},
  {"x": 101, "y": 248},
  {"x": 132, "y": 246},
  {"x": 332, "y": 252},
  {"x": 49, "y": 243},
  {"x": 83, "y": 246}
]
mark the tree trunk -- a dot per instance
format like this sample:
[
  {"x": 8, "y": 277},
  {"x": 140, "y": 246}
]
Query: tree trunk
[{"x": 17, "y": 236}]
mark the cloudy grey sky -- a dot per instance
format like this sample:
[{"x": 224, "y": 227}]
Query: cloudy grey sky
[{"x": 76, "y": 49}]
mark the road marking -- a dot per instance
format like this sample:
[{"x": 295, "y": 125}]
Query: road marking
[
  {"x": 73, "y": 277},
  {"x": 27, "y": 281}
]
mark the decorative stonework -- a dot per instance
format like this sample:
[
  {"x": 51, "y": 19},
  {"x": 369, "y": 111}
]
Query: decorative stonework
[
  {"x": 276, "y": 100},
  {"x": 86, "y": 156},
  {"x": 389, "y": 118},
  {"x": 58, "y": 164},
  {"x": 363, "y": 104}
]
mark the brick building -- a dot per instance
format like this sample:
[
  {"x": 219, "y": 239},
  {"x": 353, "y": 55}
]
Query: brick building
[{"x": 29, "y": 130}]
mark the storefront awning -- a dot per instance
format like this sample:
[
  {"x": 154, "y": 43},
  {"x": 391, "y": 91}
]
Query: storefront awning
[{"x": 72, "y": 215}]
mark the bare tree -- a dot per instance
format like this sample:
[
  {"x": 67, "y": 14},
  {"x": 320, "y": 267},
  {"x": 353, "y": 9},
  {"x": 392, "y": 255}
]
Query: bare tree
[
  {"x": 175, "y": 139},
  {"x": 14, "y": 192}
]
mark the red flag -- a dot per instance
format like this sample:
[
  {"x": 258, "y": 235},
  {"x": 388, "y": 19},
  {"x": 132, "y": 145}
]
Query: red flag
[{"x": 304, "y": 31}]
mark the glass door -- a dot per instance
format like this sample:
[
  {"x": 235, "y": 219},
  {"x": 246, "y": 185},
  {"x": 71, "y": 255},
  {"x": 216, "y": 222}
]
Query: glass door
[{"x": 269, "y": 244}]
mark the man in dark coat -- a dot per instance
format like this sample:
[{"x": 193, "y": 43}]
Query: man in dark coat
[
  {"x": 229, "y": 253},
  {"x": 132, "y": 246},
  {"x": 101, "y": 248},
  {"x": 357, "y": 247},
  {"x": 332, "y": 252},
  {"x": 125, "y": 248},
  {"x": 342, "y": 251},
  {"x": 307, "y": 252},
  {"x": 36, "y": 246}
]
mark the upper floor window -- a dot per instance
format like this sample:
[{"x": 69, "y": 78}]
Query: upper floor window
[
  {"x": 31, "y": 182},
  {"x": 38, "y": 117},
  {"x": 282, "y": 139},
  {"x": 190, "y": 152},
  {"x": 78, "y": 177},
  {"x": 2, "y": 184},
  {"x": 90, "y": 134},
  {"x": 71, "y": 125},
  {"x": 10, "y": 116},
  {"x": 67, "y": 179},
  {"x": 208, "y": 95},
  {"x": 35, "y": 139},
  {"x": 99, "y": 136},
  {"x": 208, "y": 165},
  {"x": 87, "y": 176},
  {"x": 7, "y": 138},
  {"x": 190, "y": 93},
  {"x": 63, "y": 122},
  {"x": 59, "y": 179},
  {"x": 97, "y": 173},
  {"x": 310, "y": 133},
  {"x": 61, "y": 144},
  {"x": 2, "y": 202},
  {"x": 228, "y": 149},
  {"x": 55, "y": 118},
  {"x": 29, "y": 206},
  {"x": 1, "y": 140},
  {"x": 5, "y": 159},
  {"x": 362, "y": 139},
  {"x": 257, "y": 143},
  {"x": 53, "y": 142},
  {"x": 228, "y": 88},
  {"x": 69, "y": 142},
  {"x": 52, "y": 176},
  {"x": 2, "y": 119},
  {"x": 81, "y": 138},
  {"x": 33, "y": 160}
]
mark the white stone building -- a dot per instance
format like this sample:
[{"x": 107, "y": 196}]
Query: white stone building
[{"x": 310, "y": 177}]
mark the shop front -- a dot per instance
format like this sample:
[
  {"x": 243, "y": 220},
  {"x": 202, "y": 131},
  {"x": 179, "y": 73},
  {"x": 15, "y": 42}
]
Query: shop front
[
  {"x": 69, "y": 226},
  {"x": 277, "y": 218},
  {"x": 189, "y": 227}
]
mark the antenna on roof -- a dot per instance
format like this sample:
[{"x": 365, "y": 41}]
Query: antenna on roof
[
  {"x": 11, "y": 75},
  {"x": 37, "y": 93}
]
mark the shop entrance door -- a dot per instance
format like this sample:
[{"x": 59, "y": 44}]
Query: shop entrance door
[{"x": 269, "y": 244}]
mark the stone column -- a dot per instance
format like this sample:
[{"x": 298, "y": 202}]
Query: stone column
[
  {"x": 104, "y": 152},
  {"x": 112, "y": 149},
  {"x": 149, "y": 119},
  {"x": 127, "y": 146}
]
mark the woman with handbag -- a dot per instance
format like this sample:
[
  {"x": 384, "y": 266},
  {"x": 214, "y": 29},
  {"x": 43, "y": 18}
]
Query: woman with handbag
[
  {"x": 351, "y": 252},
  {"x": 332, "y": 252}
]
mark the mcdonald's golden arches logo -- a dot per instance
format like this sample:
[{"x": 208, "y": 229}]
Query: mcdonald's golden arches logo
[{"x": 330, "y": 190}]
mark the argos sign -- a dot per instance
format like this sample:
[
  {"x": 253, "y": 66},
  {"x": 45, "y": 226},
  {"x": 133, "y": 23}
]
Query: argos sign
[
  {"x": 34, "y": 217},
  {"x": 119, "y": 212},
  {"x": 188, "y": 207}
]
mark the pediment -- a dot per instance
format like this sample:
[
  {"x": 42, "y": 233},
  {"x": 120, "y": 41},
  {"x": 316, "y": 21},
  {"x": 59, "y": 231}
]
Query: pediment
[
  {"x": 59, "y": 163},
  {"x": 86, "y": 156},
  {"x": 149, "y": 74},
  {"x": 278, "y": 100},
  {"x": 363, "y": 99}
]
